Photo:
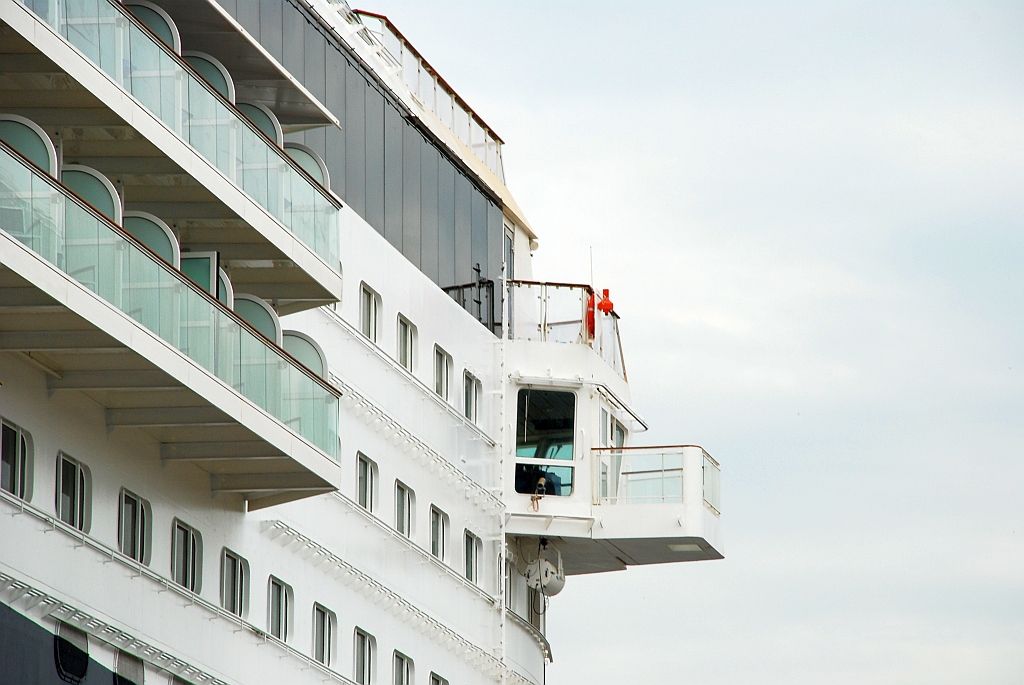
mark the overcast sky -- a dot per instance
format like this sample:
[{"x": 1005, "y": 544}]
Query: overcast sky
[{"x": 811, "y": 220}]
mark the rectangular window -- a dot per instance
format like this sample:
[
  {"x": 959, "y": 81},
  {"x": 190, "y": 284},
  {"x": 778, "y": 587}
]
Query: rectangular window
[
  {"x": 403, "y": 509},
  {"x": 405, "y": 343},
  {"x": 545, "y": 427},
  {"x": 278, "y": 609},
  {"x": 232, "y": 582},
  {"x": 545, "y": 422},
  {"x": 185, "y": 556},
  {"x": 510, "y": 274},
  {"x": 472, "y": 396},
  {"x": 472, "y": 555},
  {"x": 71, "y": 492},
  {"x": 403, "y": 670},
  {"x": 437, "y": 680},
  {"x": 364, "y": 658},
  {"x": 368, "y": 313},
  {"x": 133, "y": 531},
  {"x": 619, "y": 433},
  {"x": 441, "y": 372},
  {"x": 13, "y": 460},
  {"x": 438, "y": 532},
  {"x": 509, "y": 569},
  {"x": 365, "y": 484},
  {"x": 323, "y": 628}
]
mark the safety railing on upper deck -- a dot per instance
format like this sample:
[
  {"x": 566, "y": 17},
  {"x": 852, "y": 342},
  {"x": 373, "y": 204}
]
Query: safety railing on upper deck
[
  {"x": 115, "y": 41},
  {"x": 81, "y": 242},
  {"x": 653, "y": 475},
  {"x": 564, "y": 313}
]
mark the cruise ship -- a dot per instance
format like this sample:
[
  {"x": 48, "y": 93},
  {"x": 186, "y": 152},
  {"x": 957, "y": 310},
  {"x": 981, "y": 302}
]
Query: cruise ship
[{"x": 282, "y": 398}]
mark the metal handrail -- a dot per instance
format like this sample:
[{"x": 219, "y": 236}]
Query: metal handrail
[{"x": 72, "y": 195}]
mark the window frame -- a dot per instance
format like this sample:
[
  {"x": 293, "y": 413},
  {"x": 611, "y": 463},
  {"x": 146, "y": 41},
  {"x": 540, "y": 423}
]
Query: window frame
[
  {"x": 402, "y": 665},
  {"x": 438, "y": 533},
  {"x": 364, "y": 649},
  {"x": 442, "y": 373},
  {"x": 142, "y": 535},
  {"x": 369, "y": 312},
  {"x": 323, "y": 634},
  {"x": 406, "y": 342},
  {"x": 405, "y": 496},
  {"x": 80, "y": 509},
  {"x": 21, "y": 471},
  {"x": 472, "y": 389},
  {"x": 509, "y": 580},
  {"x": 366, "y": 482},
  {"x": 284, "y": 623},
  {"x": 437, "y": 680},
  {"x": 471, "y": 550},
  {"x": 235, "y": 602},
  {"x": 193, "y": 583}
]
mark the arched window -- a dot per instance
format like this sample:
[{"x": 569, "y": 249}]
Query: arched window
[
  {"x": 94, "y": 188},
  {"x": 25, "y": 136},
  {"x": 157, "y": 21}
]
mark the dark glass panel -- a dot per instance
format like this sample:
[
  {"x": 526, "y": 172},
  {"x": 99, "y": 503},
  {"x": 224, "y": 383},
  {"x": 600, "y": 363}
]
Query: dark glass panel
[
  {"x": 248, "y": 15},
  {"x": 270, "y": 27},
  {"x": 335, "y": 138},
  {"x": 68, "y": 483},
  {"x": 315, "y": 63},
  {"x": 355, "y": 141},
  {"x": 542, "y": 479},
  {"x": 292, "y": 32},
  {"x": 374, "y": 158},
  {"x": 8, "y": 458},
  {"x": 545, "y": 422},
  {"x": 428, "y": 212},
  {"x": 445, "y": 223},
  {"x": 394, "y": 130},
  {"x": 478, "y": 254},
  {"x": 412, "y": 144},
  {"x": 463, "y": 230}
]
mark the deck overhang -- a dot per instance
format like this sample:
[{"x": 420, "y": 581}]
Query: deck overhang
[
  {"x": 259, "y": 78},
  {"x": 85, "y": 345},
  {"x": 95, "y": 123}
]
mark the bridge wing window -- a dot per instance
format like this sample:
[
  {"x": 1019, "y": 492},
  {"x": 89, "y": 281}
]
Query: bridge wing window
[{"x": 545, "y": 424}]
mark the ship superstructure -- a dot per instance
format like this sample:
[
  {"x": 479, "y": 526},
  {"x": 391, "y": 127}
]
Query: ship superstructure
[{"x": 281, "y": 399}]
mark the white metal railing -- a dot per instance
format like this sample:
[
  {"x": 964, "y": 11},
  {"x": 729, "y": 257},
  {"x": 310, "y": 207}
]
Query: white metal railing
[
  {"x": 564, "y": 313},
  {"x": 431, "y": 89},
  {"x": 653, "y": 475},
  {"x": 712, "y": 473}
]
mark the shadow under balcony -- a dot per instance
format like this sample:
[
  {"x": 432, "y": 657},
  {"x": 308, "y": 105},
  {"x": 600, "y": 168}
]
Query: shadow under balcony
[{"x": 100, "y": 314}]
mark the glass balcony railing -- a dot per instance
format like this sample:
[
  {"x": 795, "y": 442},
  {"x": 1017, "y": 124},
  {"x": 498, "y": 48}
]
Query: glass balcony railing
[
  {"x": 163, "y": 82},
  {"x": 653, "y": 475},
  {"x": 712, "y": 473},
  {"x": 76, "y": 239},
  {"x": 564, "y": 313}
]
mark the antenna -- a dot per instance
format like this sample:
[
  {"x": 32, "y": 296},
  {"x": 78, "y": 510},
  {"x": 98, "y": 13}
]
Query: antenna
[{"x": 591, "y": 265}]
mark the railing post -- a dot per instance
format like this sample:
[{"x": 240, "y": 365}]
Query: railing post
[
  {"x": 544, "y": 313},
  {"x": 693, "y": 489}
]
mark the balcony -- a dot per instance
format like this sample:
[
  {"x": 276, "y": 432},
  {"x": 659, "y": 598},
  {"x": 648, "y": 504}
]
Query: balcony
[
  {"x": 650, "y": 475},
  {"x": 645, "y": 505},
  {"x": 247, "y": 199},
  {"x": 566, "y": 313},
  {"x": 83, "y": 244}
]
